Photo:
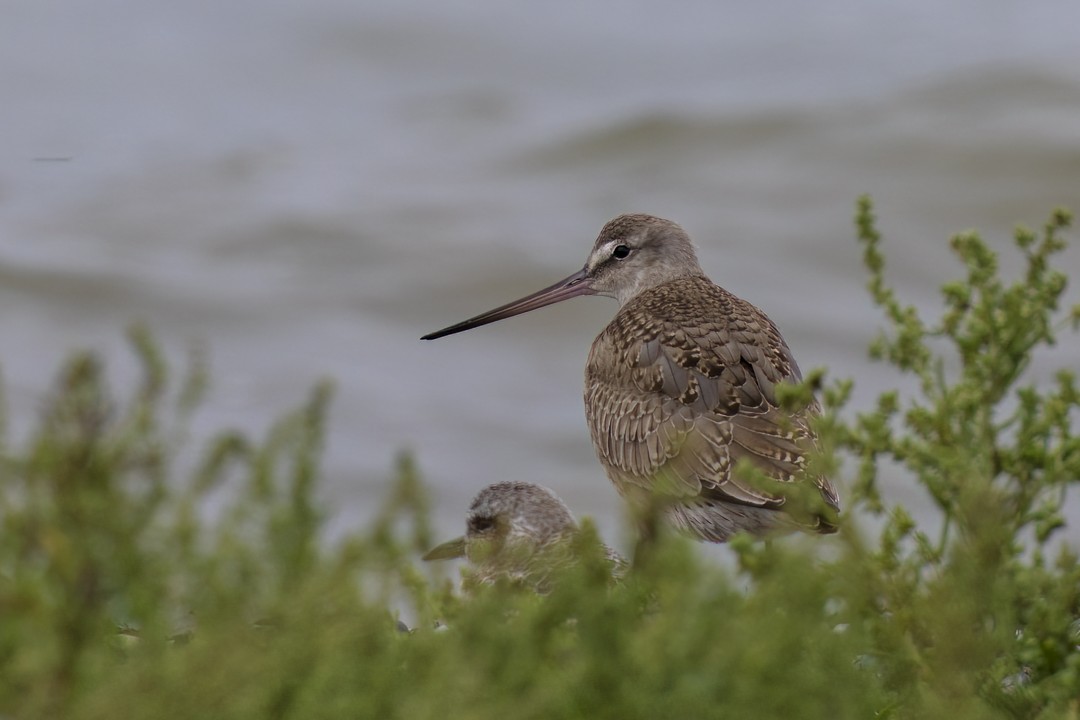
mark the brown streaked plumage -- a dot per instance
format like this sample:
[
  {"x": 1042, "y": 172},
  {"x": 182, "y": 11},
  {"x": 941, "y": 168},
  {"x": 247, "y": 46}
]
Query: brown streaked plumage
[
  {"x": 680, "y": 386},
  {"x": 520, "y": 532}
]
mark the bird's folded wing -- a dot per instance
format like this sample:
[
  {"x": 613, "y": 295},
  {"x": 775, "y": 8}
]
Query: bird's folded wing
[{"x": 677, "y": 420}]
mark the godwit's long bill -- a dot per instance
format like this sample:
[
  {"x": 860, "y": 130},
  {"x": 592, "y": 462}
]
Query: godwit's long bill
[{"x": 573, "y": 286}]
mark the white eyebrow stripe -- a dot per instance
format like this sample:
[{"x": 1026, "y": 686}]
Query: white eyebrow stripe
[
  {"x": 602, "y": 253},
  {"x": 610, "y": 245}
]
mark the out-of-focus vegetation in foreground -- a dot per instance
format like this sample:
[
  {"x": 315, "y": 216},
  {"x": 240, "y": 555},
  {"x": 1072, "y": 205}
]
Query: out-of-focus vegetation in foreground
[{"x": 130, "y": 587}]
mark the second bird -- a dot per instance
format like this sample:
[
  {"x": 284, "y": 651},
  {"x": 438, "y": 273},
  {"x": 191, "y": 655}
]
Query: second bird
[{"x": 680, "y": 387}]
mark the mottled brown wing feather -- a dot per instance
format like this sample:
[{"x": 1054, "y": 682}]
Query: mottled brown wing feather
[{"x": 677, "y": 393}]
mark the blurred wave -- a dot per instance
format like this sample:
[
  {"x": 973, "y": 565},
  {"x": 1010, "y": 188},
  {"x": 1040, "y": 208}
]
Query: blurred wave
[{"x": 306, "y": 189}]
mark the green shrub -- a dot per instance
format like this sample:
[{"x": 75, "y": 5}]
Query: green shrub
[{"x": 133, "y": 585}]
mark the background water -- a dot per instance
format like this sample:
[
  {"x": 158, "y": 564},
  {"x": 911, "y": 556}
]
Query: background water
[{"x": 306, "y": 188}]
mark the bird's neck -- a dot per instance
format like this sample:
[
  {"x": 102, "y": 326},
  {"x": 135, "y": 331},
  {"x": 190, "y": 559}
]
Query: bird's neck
[{"x": 648, "y": 281}]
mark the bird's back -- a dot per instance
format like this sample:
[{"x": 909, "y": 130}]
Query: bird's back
[{"x": 678, "y": 388}]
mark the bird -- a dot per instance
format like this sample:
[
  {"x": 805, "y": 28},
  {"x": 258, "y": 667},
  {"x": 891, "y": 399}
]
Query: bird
[
  {"x": 680, "y": 388},
  {"x": 520, "y": 532}
]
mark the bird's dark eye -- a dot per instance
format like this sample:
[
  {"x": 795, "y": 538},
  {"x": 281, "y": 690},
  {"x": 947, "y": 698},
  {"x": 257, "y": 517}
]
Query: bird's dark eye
[
  {"x": 620, "y": 252},
  {"x": 482, "y": 524}
]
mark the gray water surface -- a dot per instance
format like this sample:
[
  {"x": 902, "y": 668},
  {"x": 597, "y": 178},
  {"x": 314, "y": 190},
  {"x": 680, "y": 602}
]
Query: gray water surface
[{"x": 306, "y": 188}]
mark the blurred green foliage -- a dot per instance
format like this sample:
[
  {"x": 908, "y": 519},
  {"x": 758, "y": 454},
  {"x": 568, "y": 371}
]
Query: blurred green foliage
[{"x": 134, "y": 584}]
